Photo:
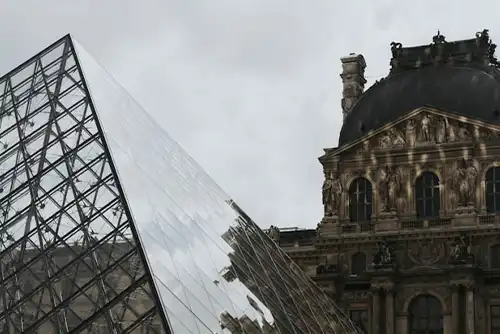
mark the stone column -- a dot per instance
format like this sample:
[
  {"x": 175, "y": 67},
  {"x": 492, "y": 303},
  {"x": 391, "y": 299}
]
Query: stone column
[
  {"x": 389, "y": 311},
  {"x": 455, "y": 312},
  {"x": 375, "y": 311},
  {"x": 469, "y": 311}
]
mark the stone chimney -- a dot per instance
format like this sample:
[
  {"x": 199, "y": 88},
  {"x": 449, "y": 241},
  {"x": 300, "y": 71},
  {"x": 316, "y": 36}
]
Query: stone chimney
[{"x": 353, "y": 80}]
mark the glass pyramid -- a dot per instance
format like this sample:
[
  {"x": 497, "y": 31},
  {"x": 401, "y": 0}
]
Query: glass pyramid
[{"x": 108, "y": 226}]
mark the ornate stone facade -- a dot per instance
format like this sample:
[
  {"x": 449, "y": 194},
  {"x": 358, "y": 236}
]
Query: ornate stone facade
[
  {"x": 446, "y": 256},
  {"x": 411, "y": 217}
]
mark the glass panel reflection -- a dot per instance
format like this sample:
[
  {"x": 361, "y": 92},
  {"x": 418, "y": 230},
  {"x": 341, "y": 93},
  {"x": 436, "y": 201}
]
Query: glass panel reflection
[{"x": 212, "y": 263}]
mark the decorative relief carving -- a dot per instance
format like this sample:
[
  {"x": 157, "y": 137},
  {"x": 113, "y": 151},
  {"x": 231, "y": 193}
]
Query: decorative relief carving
[
  {"x": 363, "y": 148},
  {"x": 426, "y": 252},
  {"x": 426, "y": 129},
  {"x": 332, "y": 193},
  {"x": 462, "y": 183}
]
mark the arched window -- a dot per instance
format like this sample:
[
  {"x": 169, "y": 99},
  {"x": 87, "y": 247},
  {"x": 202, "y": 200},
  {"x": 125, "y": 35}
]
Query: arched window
[
  {"x": 493, "y": 190},
  {"x": 360, "y": 200},
  {"x": 426, "y": 315},
  {"x": 358, "y": 263},
  {"x": 495, "y": 257},
  {"x": 427, "y": 195}
]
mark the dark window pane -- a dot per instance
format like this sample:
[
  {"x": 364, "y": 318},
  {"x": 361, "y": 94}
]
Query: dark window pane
[
  {"x": 492, "y": 190},
  {"x": 496, "y": 204},
  {"x": 490, "y": 203},
  {"x": 425, "y": 313},
  {"x": 427, "y": 195},
  {"x": 495, "y": 260},
  {"x": 358, "y": 263},
  {"x": 490, "y": 175},
  {"x": 360, "y": 198}
]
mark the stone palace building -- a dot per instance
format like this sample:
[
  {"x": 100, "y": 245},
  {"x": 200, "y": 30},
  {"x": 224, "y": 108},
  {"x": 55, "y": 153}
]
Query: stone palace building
[{"x": 410, "y": 242}]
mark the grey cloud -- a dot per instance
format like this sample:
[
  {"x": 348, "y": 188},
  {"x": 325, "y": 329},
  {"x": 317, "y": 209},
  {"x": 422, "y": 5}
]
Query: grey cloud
[{"x": 249, "y": 88}]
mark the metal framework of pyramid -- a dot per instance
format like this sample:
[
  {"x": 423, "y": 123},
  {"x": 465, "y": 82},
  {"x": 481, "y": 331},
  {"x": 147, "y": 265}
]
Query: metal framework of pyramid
[
  {"x": 77, "y": 257},
  {"x": 69, "y": 253}
]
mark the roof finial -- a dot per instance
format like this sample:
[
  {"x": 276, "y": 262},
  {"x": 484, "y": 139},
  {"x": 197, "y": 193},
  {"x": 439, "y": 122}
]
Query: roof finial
[{"x": 438, "y": 38}]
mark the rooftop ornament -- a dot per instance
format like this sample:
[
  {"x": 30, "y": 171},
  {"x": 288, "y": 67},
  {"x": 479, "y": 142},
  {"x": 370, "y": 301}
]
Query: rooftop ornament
[
  {"x": 479, "y": 50},
  {"x": 439, "y": 39}
]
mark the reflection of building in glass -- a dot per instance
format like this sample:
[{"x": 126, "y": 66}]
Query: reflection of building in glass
[
  {"x": 83, "y": 250},
  {"x": 296, "y": 303},
  {"x": 409, "y": 238}
]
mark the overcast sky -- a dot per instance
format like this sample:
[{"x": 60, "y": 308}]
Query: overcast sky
[{"x": 250, "y": 88}]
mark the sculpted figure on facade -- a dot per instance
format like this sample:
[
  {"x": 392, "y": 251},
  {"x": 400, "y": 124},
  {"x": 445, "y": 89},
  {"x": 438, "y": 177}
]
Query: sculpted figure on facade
[
  {"x": 274, "y": 233},
  {"x": 384, "y": 255},
  {"x": 385, "y": 140},
  {"x": 463, "y": 182},
  {"x": 411, "y": 132},
  {"x": 332, "y": 193},
  {"x": 441, "y": 130},
  {"x": 389, "y": 188},
  {"x": 461, "y": 250},
  {"x": 426, "y": 133},
  {"x": 463, "y": 132},
  {"x": 425, "y": 130}
]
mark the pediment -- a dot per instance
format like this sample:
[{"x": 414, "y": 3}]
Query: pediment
[{"x": 422, "y": 127}]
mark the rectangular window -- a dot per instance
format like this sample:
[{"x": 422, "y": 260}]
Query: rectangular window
[
  {"x": 360, "y": 318},
  {"x": 495, "y": 319}
]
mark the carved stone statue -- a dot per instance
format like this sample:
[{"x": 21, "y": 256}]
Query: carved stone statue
[
  {"x": 389, "y": 188},
  {"x": 461, "y": 250},
  {"x": 463, "y": 132},
  {"x": 398, "y": 138},
  {"x": 384, "y": 255},
  {"x": 411, "y": 132},
  {"x": 441, "y": 130},
  {"x": 332, "y": 192},
  {"x": 391, "y": 138},
  {"x": 385, "y": 140},
  {"x": 463, "y": 182},
  {"x": 274, "y": 233},
  {"x": 426, "y": 134}
]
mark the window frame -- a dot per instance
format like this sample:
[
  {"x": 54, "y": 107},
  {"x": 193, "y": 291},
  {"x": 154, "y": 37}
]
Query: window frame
[
  {"x": 490, "y": 178},
  {"x": 427, "y": 181},
  {"x": 357, "y": 206}
]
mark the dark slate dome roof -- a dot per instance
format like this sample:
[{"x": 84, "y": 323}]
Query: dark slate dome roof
[{"x": 465, "y": 81}]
